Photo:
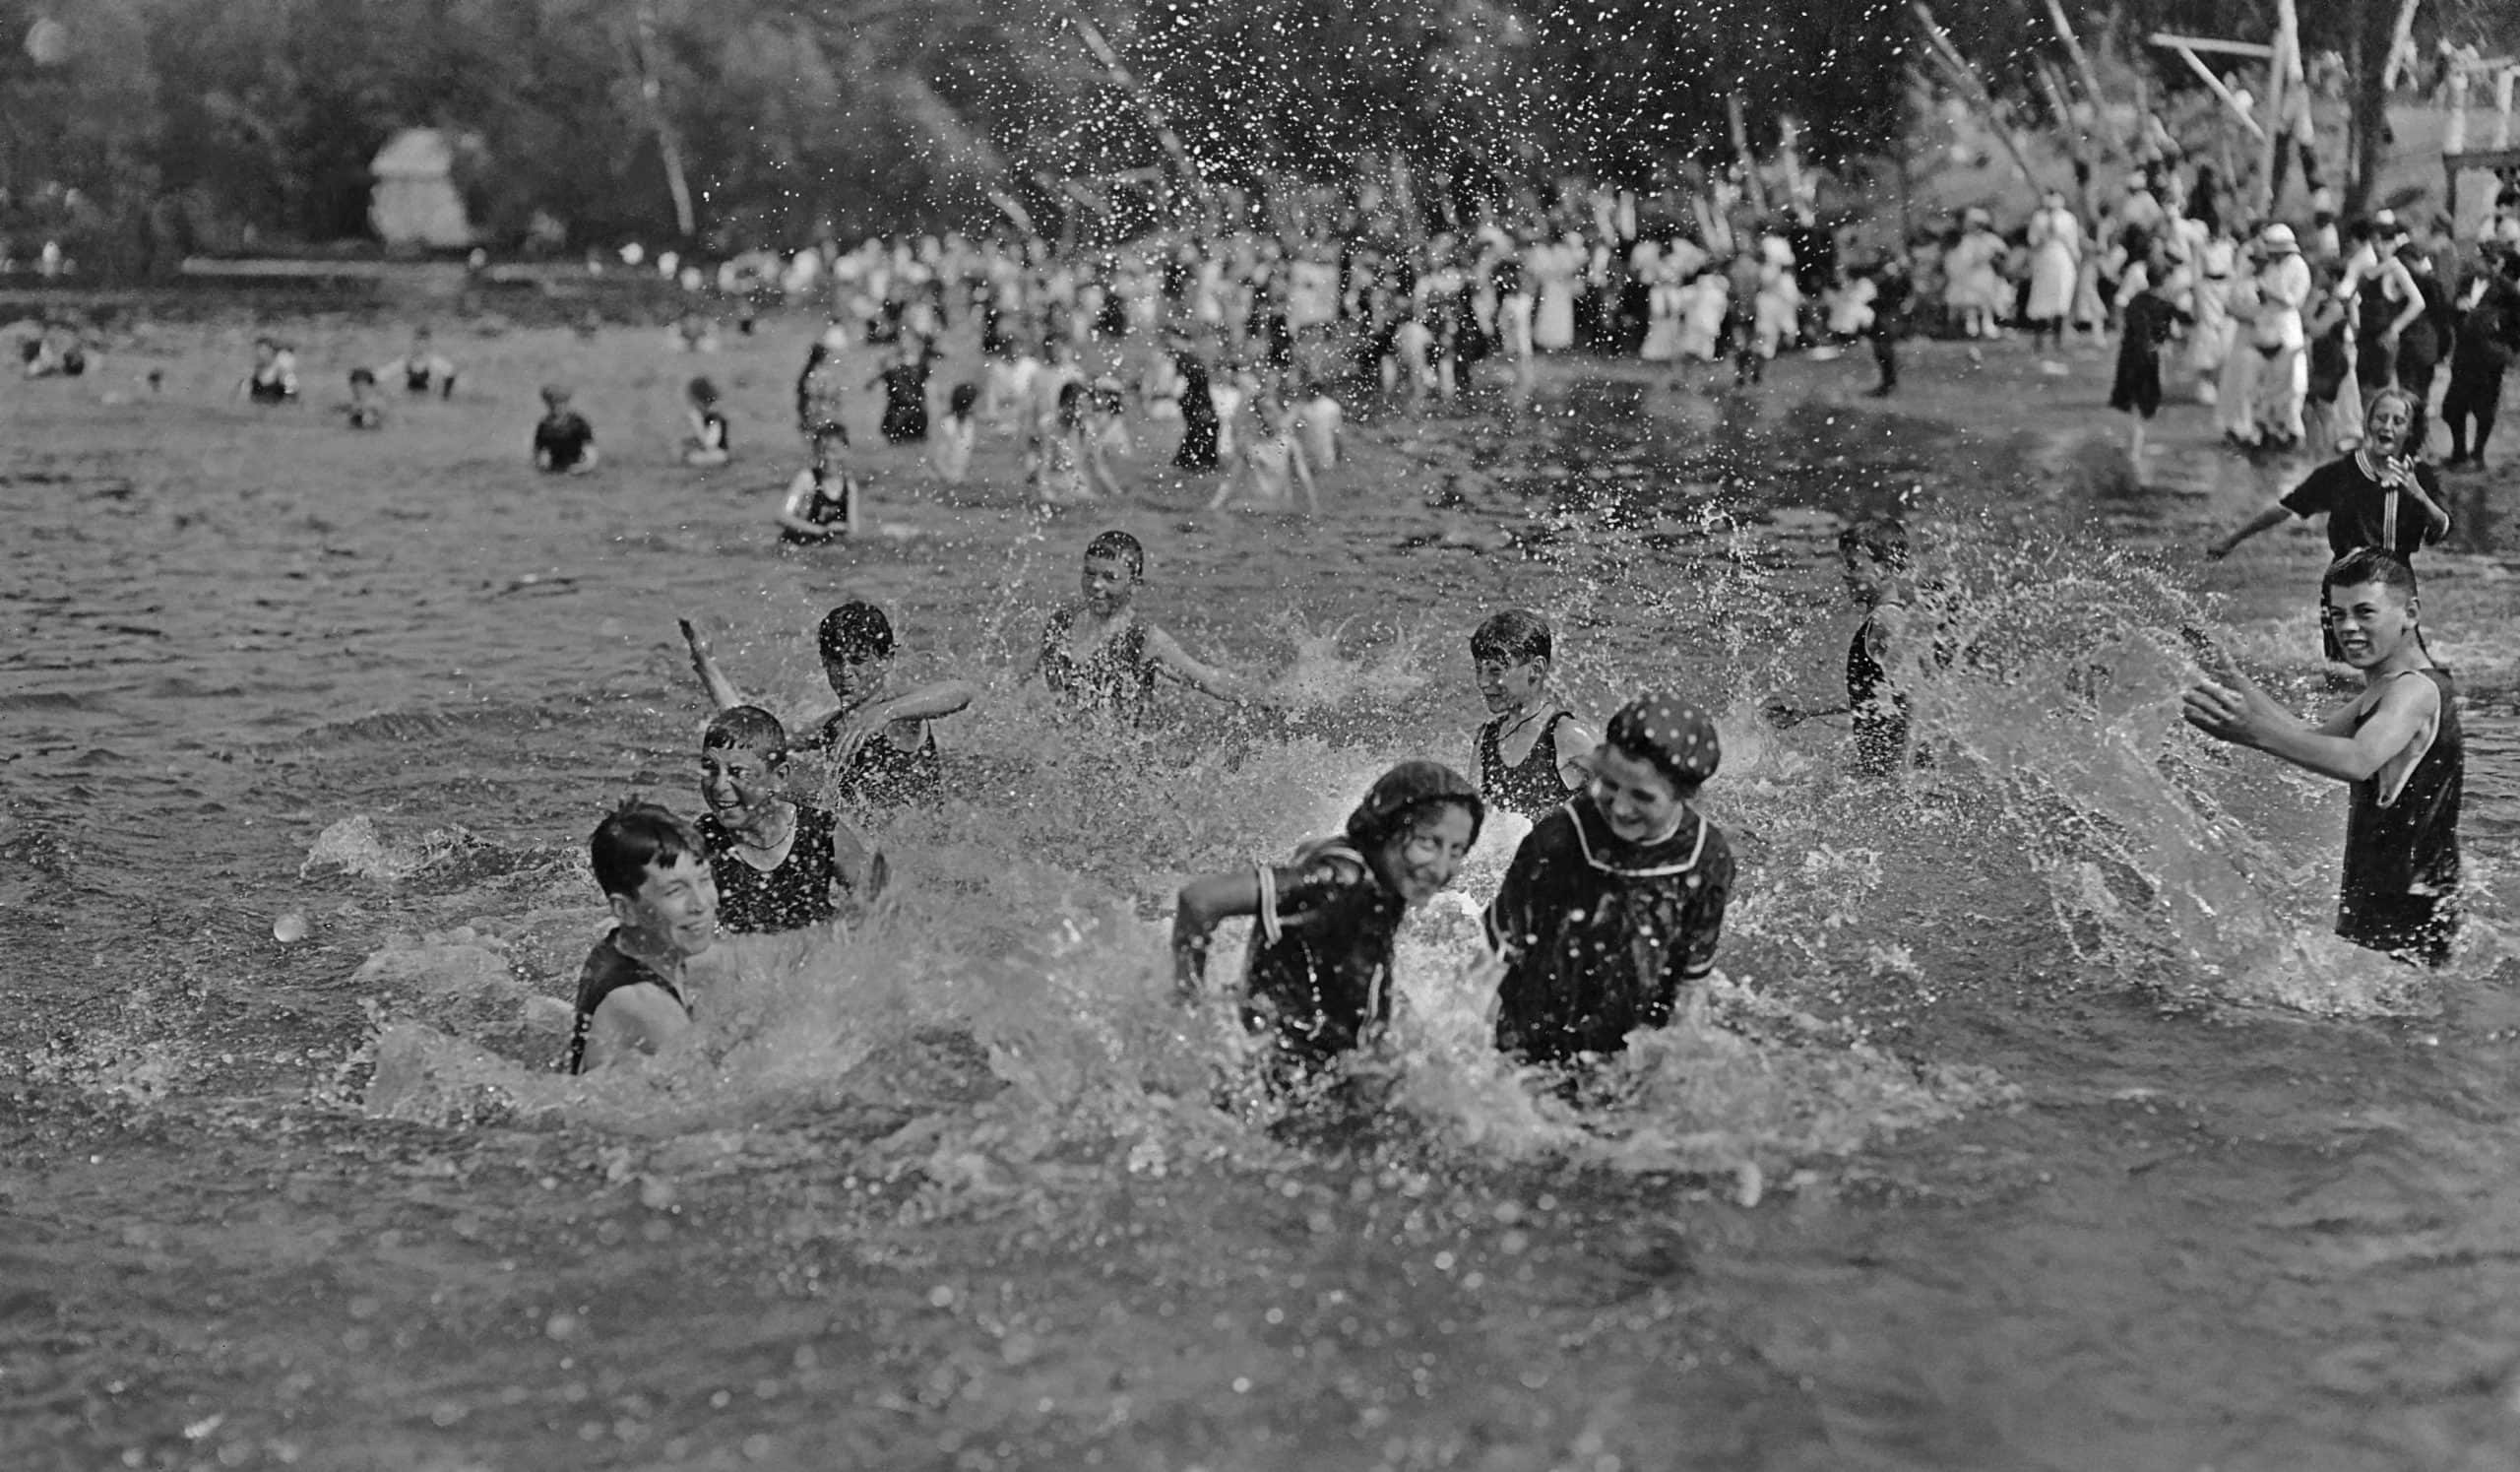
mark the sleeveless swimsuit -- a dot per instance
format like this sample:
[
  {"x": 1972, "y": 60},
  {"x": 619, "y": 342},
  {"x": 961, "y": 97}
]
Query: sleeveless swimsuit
[
  {"x": 609, "y": 969},
  {"x": 1318, "y": 976},
  {"x": 1117, "y": 678},
  {"x": 791, "y": 897},
  {"x": 2401, "y": 887},
  {"x": 885, "y": 776},
  {"x": 1533, "y": 786},
  {"x": 1880, "y": 715}
]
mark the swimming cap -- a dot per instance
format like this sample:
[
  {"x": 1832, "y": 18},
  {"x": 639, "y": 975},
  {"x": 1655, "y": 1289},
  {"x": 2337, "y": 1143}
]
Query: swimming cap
[
  {"x": 1671, "y": 734},
  {"x": 1403, "y": 789}
]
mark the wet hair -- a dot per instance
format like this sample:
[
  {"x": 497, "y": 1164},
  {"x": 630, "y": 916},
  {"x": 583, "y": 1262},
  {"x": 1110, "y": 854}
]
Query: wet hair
[
  {"x": 636, "y": 839},
  {"x": 855, "y": 630},
  {"x": 703, "y": 392},
  {"x": 362, "y": 377},
  {"x": 1516, "y": 636},
  {"x": 749, "y": 726},
  {"x": 1399, "y": 797},
  {"x": 965, "y": 399},
  {"x": 554, "y": 394},
  {"x": 1122, "y": 546},
  {"x": 2368, "y": 564},
  {"x": 1883, "y": 538}
]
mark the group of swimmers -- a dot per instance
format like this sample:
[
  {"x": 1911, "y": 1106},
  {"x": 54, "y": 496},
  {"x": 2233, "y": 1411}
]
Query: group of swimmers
[{"x": 1610, "y": 908}]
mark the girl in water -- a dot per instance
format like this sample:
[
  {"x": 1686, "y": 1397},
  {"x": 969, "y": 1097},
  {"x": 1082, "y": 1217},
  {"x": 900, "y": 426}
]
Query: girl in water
[
  {"x": 1199, "y": 420},
  {"x": 1317, "y": 983},
  {"x": 951, "y": 437},
  {"x": 1616, "y": 899},
  {"x": 822, "y": 502},
  {"x": 1069, "y": 466},
  {"x": 1099, "y": 659},
  {"x": 707, "y": 445},
  {"x": 1272, "y": 465}
]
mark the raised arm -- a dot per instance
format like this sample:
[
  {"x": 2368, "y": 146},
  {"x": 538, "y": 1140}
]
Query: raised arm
[
  {"x": 1202, "y": 905},
  {"x": 722, "y": 694},
  {"x": 844, "y": 732},
  {"x": 1574, "y": 751}
]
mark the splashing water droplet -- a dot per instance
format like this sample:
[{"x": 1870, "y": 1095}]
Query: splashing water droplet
[{"x": 289, "y": 927}]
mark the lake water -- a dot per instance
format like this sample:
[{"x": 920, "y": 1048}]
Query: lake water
[{"x": 2033, "y": 1122}]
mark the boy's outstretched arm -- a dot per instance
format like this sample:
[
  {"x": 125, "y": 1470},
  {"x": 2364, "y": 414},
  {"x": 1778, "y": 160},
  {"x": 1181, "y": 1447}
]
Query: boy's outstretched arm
[
  {"x": 722, "y": 694},
  {"x": 2232, "y": 708},
  {"x": 1224, "y": 684},
  {"x": 844, "y": 731},
  {"x": 1195, "y": 915}
]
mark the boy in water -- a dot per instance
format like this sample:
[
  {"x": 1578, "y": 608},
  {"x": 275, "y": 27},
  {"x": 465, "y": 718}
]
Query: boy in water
[
  {"x": 424, "y": 370},
  {"x": 563, "y": 442},
  {"x": 1318, "y": 976},
  {"x": 1100, "y": 657},
  {"x": 2396, "y": 746},
  {"x": 1530, "y": 755},
  {"x": 1617, "y": 900},
  {"x": 632, "y": 992},
  {"x": 1888, "y": 654},
  {"x": 779, "y": 864},
  {"x": 883, "y": 743}
]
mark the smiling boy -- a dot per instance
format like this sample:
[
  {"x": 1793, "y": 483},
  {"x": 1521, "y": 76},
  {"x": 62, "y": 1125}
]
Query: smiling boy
[
  {"x": 2396, "y": 745},
  {"x": 1530, "y": 755},
  {"x": 631, "y": 992}
]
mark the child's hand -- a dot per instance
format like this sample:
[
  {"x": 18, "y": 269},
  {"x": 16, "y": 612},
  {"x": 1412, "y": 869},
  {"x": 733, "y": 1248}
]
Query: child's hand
[{"x": 847, "y": 737}]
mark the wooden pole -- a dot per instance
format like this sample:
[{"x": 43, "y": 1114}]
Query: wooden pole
[
  {"x": 2083, "y": 69},
  {"x": 1164, "y": 136},
  {"x": 1733, "y": 116},
  {"x": 2278, "y": 80},
  {"x": 2401, "y": 44},
  {"x": 1971, "y": 84},
  {"x": 2216, "y": 82}
]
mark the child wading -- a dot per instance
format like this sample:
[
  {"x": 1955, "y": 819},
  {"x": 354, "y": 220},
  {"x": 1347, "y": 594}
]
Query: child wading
[
  {"x": 1531, "y": 753},
  {"x": 883, "y": 740},
  {"x": 1101, "y": 658},
  {"x": 563, "y": 441},
  {"x": 1318, "y": 980},
  {"x": 1616, "y": 899},
  {"x": 778, "y": 865},
  {"x": 2396, "y": 746},
  {"x": 632, "y": 994}
]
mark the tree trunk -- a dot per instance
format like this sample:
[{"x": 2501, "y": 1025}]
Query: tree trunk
[{"x": 2375, "y": 24}]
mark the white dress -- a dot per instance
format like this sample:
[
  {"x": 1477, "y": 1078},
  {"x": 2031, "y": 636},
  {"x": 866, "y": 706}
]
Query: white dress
[
  {"x": 2055, "y": 263},
  {"x": 1552, "y": 268}
]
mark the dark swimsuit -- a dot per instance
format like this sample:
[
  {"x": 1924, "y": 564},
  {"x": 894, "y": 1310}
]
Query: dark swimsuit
[
  {"x": 791, "y": 897},
  {"x": 1880, "y": 714},
  {"x": 1531, "y": 788},
  {"x": 1117, "y": 678},
  {"x": 829, "y": 508},
  {"x": 885, "y": 776},
  {"x": 609, "y": 969},
  {"x": 1319, "y": 974},
  {"x": 2400, "y": 889},
  {"x": 1601, "y": 934}
]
